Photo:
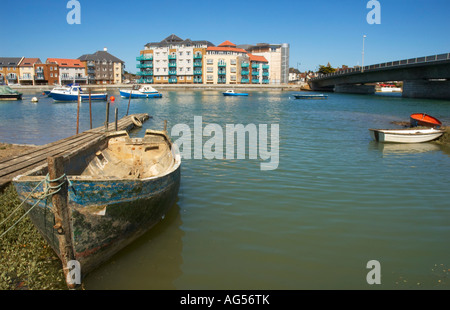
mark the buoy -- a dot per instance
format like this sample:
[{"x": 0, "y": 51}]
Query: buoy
[
  {"x": 34, "y": 99},
  {"x": 113, "y": 98}
]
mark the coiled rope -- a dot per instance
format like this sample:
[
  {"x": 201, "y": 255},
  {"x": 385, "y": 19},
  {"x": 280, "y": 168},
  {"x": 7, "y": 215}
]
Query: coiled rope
[{"x": 48, "y": 191}]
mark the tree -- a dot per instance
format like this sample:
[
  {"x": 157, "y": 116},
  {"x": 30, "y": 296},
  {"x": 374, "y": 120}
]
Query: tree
[{"x": 326, "y": 69}]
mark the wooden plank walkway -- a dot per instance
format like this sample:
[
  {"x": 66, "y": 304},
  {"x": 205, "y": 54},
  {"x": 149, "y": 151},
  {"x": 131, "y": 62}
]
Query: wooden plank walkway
[{"x": 14, "y": 166}]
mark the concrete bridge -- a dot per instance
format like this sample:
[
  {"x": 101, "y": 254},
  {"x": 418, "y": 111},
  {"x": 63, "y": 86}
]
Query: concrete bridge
[{"x": 423, "y": 77}]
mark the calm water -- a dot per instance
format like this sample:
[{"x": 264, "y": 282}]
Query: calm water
[{"x": 336, "y": 201}]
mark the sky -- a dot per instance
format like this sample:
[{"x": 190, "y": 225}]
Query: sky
[{"x": 318, "y": 32}]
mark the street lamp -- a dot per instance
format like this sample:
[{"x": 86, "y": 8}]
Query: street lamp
[{"x": 362, "y": 69}]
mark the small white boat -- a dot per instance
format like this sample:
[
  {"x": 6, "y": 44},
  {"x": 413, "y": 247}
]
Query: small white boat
[
  {"x": 310, "y": 96},
  {"x": 231, "y": 92},
  {"x": 390, "y": 88},
  {"x": 409, "y": 135},
  {"x": 143, "y": 91}
]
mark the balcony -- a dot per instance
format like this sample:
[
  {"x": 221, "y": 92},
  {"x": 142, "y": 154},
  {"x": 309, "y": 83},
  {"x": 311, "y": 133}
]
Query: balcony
[
  {"x": 172, "y": 72},
  {"x": 144, "y": 66},
  {"x": 91, "y": 64},
  {"x": 26, "y": 78},
  {"x": 197, "y": 64},
  {"x": 197, "y": 72},
  {"x": 91, "y": 71},
  {"x": 245, "y": 72},
  {"x": 172, "y": 80},
  {"x": 265, "y": 74},
  {"x": 265, "y": 66},
  {"x": 198, "y": 80},
  {"x": 39, "y": 70},
  {"x": 255, "y": 72},
  {"x": 39, "y": 77},
  {"x": 255, "y": 81},
  {"x": 144, "y": 57},
  {"x": 244, "y": 65},
  {"x": 173, "y": 56},
  {"x": 222, "y": 73},
  {"x": 221, "y": 81},
  {"x": 245, "y": 81},
  {"x": 222, "y": 64},
  {"x": 198, "y": 56},
  {"x": 255, "y": 66},
  {"x": 265, "y": 81},
  {"x": 145, "y": 73},
  {"x": 172, "y": 64}
]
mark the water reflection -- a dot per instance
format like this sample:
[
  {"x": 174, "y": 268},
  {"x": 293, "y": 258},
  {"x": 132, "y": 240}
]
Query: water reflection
[
  {"x": 404, "y": 148},
  {"x": 153, "y": 262}
]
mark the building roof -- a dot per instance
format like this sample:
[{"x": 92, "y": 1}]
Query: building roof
[
  {"x": 10, "y": 61},
  {"x": 257, "y": 58},
  {"x": 228, "y": 44},
  {"x": 100, "y": 56},
  {"x": 66, "y": 63},
  {"x": 173, "y": 39},
  {"x": 29, "y": 62}
]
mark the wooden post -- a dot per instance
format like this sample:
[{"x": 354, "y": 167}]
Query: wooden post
[
  {"x": 107, "y": 116},
  {"x": 165, "y": 125},
  {"x": 129, "y": 100},
  {"x": 78, "y": 111},
  {"x": 62, "y": 216},
  {"x": 116, "y": 115},
  {"x": 90, "y": 106}
]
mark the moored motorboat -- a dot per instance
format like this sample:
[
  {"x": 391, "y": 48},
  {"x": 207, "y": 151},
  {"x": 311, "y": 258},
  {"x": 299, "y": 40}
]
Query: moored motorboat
[
  {"x": 231, "y": 92},
  {"x": 410, "y": 135},
  {"x": 118, "y": 188},
  {"x": 70, "y": 93},
  {"x": 144, "y": 91},
  {"x": 422, "y": 119},
  {"x": 6, "y": 93},
  {"x": 310, "y": 96}
]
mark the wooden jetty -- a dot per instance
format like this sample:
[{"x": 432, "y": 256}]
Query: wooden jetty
[{"x": 12, "y": 167}]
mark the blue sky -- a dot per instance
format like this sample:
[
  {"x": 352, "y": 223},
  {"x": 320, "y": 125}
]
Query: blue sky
[{"x": 318, "y": 31}]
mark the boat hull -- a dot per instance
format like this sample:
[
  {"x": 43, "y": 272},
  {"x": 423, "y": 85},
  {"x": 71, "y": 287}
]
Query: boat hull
[
  {"x": 235, "y": 94},
  {"x": 405, "y": 136},
  {"x": 310, "y": 96},
  {"x": 84, "y": 97},
  {"x": 422, "y": 119},
  {"x": 125, "y": 94},
  {"x": 11, "y": 97},
  {"x": 106, "y": 213}
]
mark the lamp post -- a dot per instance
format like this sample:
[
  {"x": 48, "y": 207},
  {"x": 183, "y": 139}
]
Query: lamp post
[{"x": 362, "y": 69}]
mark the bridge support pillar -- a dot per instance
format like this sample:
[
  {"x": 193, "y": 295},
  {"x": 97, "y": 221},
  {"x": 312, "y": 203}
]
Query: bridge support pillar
[
  {"x": 426, "y": 89},
  {"x": 355, "y": 89}
]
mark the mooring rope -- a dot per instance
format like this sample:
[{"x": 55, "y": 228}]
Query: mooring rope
[{"x": 46, "y": 193}]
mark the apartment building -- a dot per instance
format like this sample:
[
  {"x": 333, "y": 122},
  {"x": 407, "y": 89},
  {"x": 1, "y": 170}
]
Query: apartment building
[
  {"x": 228, "y": 64},
  {"x": 46, "y": 74},
  {"x": 103, "y": 68},
  {"x": 172, "y": 61},
  {"x": 27, "y": 72},
  {"x": 9, "y": 70},
  {"x": 277, "y": 56},
  {"x": 70, "y": 70}
]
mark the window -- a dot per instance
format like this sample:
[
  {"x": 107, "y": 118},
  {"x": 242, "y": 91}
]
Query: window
[
  {"x": 165, "y": 78},
  {"x": 209, "y": 69},
  {"x": 210, "y": 61},
  {"x": 51, "y": 74},
  {"x": 233, "y": 61},
  {"x": 209, "y": 77},
  {"x": 189, "y": 78}
]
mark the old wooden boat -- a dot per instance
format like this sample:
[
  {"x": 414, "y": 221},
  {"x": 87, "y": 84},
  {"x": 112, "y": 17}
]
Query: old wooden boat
[
  {"x": 423, "y": 119},
  {"x": 310, "y": 96},
  {"x": 6, "y": 93},
  {"x": 118, "y": 189},
  {"x": 410, "y": 135}
]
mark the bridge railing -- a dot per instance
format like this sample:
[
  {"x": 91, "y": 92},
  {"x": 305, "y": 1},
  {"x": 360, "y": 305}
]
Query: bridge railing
[{"x": 433, "y": 58}]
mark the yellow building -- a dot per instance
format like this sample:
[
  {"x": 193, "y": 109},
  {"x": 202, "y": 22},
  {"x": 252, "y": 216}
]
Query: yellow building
[{"x": 27, "y": 72}]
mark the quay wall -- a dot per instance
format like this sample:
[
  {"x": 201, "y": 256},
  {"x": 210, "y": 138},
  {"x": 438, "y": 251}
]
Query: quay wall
[{"x": 221, "y": 87}]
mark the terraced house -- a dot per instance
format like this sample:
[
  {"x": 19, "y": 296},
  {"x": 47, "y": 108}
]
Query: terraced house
[
  {"x": 26, "y": 71},
  {"x": 70, "y": 70},
  {"x": 103, "y": 68},
  {"x": 173, "y": 60},
  {"x": 9, "y": 70}
]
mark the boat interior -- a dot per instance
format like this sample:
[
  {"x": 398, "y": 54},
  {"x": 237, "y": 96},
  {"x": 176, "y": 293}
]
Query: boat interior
[{"x": 123, "y": 157}]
